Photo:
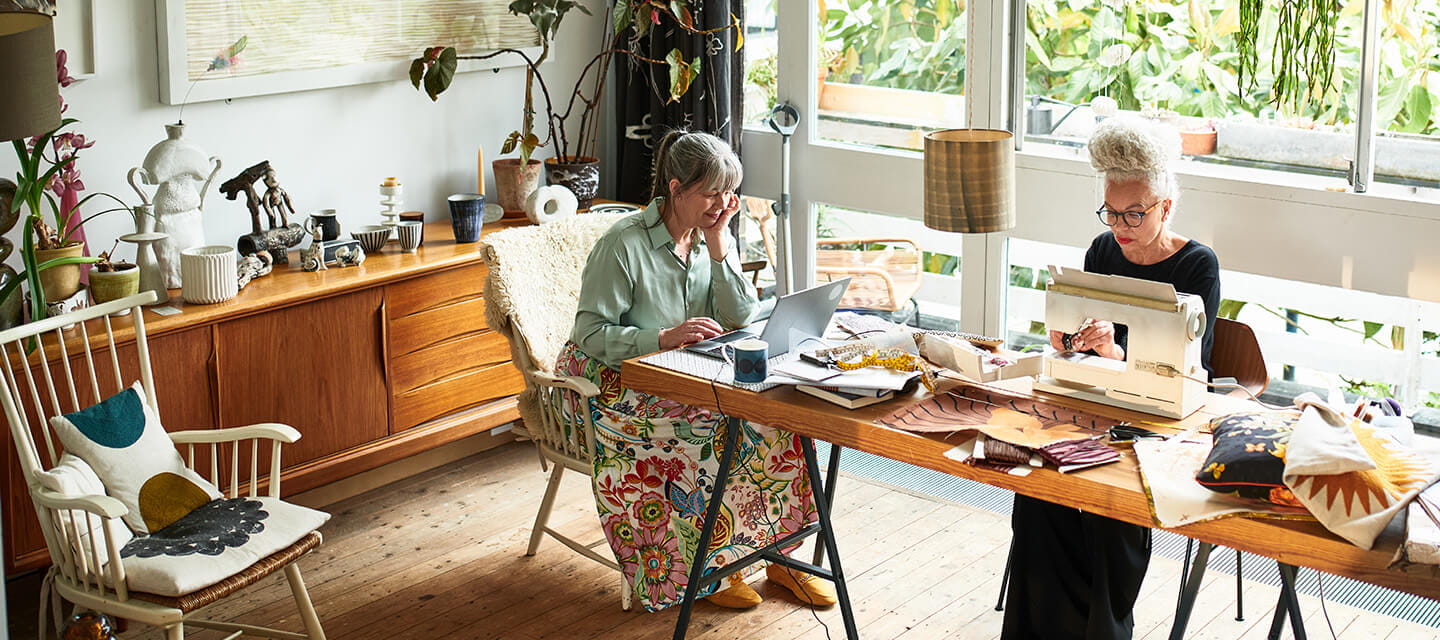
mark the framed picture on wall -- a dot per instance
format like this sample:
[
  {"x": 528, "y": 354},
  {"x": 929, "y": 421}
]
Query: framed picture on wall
[
  {"x": 75, "y": 33},
  {"x": 296, "y": 45}
]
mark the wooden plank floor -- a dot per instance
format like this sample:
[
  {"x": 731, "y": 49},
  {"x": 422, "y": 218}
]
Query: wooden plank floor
[{"x": 441, "y": 554}]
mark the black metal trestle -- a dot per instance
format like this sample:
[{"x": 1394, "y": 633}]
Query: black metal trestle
[
  {"x": 825, "y": 545},
  {"x": 1193, "y": 573}
]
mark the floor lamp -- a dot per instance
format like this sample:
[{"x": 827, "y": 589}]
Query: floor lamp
[{"x": 31, "y": 98}]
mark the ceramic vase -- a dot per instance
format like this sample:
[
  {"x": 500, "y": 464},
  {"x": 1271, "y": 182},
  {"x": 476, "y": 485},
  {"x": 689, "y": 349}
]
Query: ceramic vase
[
  {"x": 181, "y": 174},
  {"x": 114, "y": 285},
  {"x": 581, "y": 175},
  {"x": 209, "y": 274},
  {"x": 59, "y": 283},
  {"x": 151, "y": 279},
  {"x": 514, "y": 183},
  {"x": 465, "y": 216}
]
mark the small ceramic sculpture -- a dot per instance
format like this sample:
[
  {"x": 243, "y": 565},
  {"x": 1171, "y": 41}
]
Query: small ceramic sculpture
[
  {"x": 312, "y": 258},
  {"x": 252, "y": 266},
  {"x": 181, "y": 174}
]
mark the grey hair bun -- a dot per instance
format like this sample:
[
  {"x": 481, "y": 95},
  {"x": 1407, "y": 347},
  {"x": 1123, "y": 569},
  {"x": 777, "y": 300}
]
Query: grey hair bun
[{"x": 1134, "y": 147}]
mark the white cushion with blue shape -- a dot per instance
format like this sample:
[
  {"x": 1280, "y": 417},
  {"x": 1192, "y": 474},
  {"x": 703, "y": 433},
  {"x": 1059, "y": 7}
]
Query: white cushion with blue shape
[
  {"x": 189, "y": 536},
  {"x": 125, "y": 444}
]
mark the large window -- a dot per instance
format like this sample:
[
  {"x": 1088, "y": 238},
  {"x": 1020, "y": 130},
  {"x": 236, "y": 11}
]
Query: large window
[
  {"x": 898, "y": 268},
  {"x": 889, "y": 71},
  {"x": 761, "y": 59},
  {"x": 1307, "y": 258},
  {"x": 1179, "y": 62}
]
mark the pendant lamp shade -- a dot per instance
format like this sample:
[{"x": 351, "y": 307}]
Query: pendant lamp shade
[
  {"x": 970, "y": 180},
  {"x": 31, "y": 104}
]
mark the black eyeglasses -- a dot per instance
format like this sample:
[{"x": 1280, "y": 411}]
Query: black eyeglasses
[{"x": 1109, "y": 217}]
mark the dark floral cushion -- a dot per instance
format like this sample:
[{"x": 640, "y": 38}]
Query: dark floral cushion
[{"x": 1248, "y": 456}]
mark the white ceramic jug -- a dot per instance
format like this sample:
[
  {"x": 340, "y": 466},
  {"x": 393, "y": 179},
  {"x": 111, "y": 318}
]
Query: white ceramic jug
[{"x": 181, "y": 174}]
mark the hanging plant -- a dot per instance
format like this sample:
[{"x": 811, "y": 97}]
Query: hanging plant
[{"x": 1302, "y": 56}]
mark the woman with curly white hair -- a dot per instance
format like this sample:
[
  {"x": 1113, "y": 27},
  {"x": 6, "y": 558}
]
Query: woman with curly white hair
[{"x": 1075, "y": 574}]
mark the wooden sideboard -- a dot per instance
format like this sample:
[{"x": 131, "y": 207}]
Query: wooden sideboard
[{"x": 371, "y": 364}]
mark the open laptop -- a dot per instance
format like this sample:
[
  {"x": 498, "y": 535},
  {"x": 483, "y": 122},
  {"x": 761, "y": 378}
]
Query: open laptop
[{"x": 797, "y": 316}]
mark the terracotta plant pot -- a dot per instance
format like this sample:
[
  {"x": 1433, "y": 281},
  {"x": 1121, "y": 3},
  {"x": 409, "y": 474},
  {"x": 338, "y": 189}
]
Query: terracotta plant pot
[
  {"x": 1197, "y": 143},
  {"x": 514, "y": 183},
  {"x": 59, "y": 283},
  {"x": 580, "y": 175},
  {"x": 114, "y": 285}
]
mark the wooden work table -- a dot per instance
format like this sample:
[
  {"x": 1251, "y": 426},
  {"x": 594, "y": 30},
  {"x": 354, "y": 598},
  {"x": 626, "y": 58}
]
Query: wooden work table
[
  {"x": 1112, "y": 490},
  {"x": 371, "y": 364}
]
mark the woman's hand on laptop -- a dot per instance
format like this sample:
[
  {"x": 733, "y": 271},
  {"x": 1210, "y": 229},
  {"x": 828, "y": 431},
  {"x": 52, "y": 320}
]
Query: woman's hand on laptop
[{"x": 692, "y": 330}]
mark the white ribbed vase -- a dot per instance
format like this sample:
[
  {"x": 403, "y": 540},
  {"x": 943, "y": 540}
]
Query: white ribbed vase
[{"x": 207, "y": 274}]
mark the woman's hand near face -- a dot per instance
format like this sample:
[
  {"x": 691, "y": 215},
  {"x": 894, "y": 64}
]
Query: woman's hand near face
[
  {"x": 715, "y": 235},
  {"x": 689, "y": 331}
]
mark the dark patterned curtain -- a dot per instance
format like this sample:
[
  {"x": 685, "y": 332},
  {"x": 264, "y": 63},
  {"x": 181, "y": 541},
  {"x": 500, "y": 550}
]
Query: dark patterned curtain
[{"x": 713, "y": 103}]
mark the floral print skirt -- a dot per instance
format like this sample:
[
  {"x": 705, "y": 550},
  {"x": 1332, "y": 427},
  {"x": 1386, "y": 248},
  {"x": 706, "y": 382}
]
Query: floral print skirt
[{"x": 655, "y": 469}]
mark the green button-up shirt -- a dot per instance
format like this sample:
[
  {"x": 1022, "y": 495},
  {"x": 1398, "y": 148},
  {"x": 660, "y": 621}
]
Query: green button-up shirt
[{"x": 634, "y": 285}]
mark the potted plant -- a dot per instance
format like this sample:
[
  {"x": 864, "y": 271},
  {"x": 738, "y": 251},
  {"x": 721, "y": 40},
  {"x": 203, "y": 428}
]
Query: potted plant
[
  {"x": 112, "y": 279},
  {"x": 574, "y": 161},
  {"x": 1198, "y": 139},
  {"x": 45, "y": 247}
]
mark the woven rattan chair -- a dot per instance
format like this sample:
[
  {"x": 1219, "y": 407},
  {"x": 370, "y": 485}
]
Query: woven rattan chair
[
  {"x": 85, "y": 364},
  {"x": 531, "y": 293}
]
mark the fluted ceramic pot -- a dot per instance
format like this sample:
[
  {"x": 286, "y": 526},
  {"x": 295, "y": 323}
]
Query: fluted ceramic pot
[{"x": 208, "y": 274}]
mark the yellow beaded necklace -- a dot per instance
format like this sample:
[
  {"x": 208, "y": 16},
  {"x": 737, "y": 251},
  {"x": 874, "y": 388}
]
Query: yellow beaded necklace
[{"x": 894, "y": 359}]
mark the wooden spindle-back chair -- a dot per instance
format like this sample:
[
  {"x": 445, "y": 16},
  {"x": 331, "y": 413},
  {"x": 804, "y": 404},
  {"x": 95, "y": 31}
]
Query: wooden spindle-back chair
[{"x": 66, "y": 363}]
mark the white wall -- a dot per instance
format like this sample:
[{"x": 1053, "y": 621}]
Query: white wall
[{"x": 330, "y": 147}]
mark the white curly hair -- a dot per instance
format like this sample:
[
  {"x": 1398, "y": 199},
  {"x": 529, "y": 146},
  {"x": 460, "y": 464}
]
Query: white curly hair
[{"x": 1132, "y": 149}]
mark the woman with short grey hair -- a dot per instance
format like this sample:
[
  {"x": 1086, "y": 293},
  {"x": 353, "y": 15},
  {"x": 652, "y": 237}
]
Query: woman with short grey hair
[
  {"x": 662, "y": 278},
  {"x": 1075, "y": 574}
]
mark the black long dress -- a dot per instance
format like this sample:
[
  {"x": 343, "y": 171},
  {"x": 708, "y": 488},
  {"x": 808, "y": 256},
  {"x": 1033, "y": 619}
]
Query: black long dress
[{"x": 1075, "y": 574}]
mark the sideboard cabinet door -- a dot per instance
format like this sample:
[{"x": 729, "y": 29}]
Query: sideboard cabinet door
[{"x": 317, "y": 367}]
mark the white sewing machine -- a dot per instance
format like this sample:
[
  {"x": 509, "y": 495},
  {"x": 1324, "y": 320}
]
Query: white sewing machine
[{"x": 1165, "y": 333}]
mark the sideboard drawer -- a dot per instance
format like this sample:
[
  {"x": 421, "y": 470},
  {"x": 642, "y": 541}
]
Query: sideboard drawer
[
  {"x": 470, "y": 388},
  {"x": 430, "y": 327},
  {"x": 416, "y": 370},
  {"x": 432, "y": 291}
]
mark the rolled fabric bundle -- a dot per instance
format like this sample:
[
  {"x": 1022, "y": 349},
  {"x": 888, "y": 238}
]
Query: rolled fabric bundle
[{"x": 548, "y": 204}]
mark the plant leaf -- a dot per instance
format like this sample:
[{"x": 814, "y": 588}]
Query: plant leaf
[
  {"x": 510, "y": 142},
  {"x": 1230, "y": 309},
  {"x": 1372, "y": 328},
  {"x": 682, "y": 14},
  {"x": 440, "y": 74},
  {"x": 621, "y": 16},
  {"x": 682, "y": 74},
  {"x": 417, "y": 72}
]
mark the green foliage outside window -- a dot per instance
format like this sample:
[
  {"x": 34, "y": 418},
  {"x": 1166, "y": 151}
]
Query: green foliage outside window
[
  {"x": 1180, "y": 56},
  {"x": 905, "y": 44}
]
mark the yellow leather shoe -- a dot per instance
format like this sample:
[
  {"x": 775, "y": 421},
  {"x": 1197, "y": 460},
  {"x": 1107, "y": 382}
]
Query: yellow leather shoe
[
  {"x": 737, "y": 596},
  {"x": 816, "y": 592}
]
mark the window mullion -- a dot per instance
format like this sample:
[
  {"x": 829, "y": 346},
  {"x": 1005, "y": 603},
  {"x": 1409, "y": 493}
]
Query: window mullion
[{"x": 1362, "y": 168}]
